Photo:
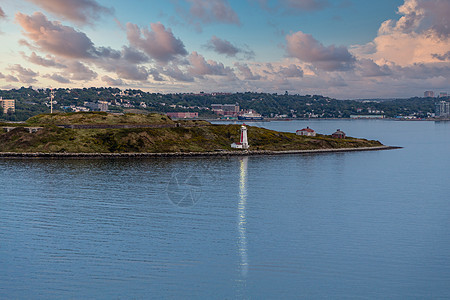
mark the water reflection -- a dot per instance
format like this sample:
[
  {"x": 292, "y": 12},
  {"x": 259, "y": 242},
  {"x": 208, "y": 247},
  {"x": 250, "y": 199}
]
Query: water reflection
[{"x": 242, "y": 221}]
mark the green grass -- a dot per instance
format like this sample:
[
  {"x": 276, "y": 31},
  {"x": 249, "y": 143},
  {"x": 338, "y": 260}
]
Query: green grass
[{"x": 90, "y": 118}]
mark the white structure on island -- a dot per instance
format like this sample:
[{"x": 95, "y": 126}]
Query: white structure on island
[
  {"x": 243, "y": 143},
  {"x": 306, "y": 131}
]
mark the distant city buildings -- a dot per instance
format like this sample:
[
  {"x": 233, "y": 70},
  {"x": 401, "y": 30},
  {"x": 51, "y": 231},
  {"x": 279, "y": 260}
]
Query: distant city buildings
[
  {"x": 8, "y": 105},
  {"x": 443, "y": 109},
  {"x": 183, "y": 115},
  {"x": 431, "y": 94},
  {"x": 99, "y": 106},
  {"x": 230, "y": 110},
  {"x": 428, "y": 94}
]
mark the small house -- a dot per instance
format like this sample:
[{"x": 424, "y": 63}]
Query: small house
[
  {"x": 338, "y": 134},
  {"x": 306, "y": 131}
]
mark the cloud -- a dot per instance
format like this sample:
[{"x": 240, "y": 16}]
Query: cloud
[
  {"x": 78, "y": 11},
  {"x": 159, "y": 43},
  {"x": 125, "y": 70},
  {"x": 200, "y": 67},
  {"x": 134, "y": 56},
  {"x": 177, "y": 74},
  {"x": 437, "y": 15},
  {"x": 225, "y": 47},
  {"x": 420, "y": 35},
  {"x": 79, "y": 71},
  {"x": 207, "y": 12},
  {"x": 57, "y": 77},
  {"x": 442, "y": 57},
  {"x": 113, "y": 82},
  {"x": 369, "y": 68},
  {"x": 292, "y": 71},
  {"x": 45, "y": 62},
  {"x": 24, "y": 75},
  {"x": 77, "y": 49},
  {"x": 11, "y": 78},
  {"x": 2, "y": 14},
  {"x": 306, "y": 48},
  {"x": 247, "y": 72},
  {"x": 52, "y": 37}
]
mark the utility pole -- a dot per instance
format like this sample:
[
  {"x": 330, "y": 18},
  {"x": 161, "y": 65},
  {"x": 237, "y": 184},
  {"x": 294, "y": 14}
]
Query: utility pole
[{"x": 51, "y": 100}]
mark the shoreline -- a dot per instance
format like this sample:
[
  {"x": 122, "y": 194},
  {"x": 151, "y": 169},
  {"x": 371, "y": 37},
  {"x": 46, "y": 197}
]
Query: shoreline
[{"x": 188, "y": 154}]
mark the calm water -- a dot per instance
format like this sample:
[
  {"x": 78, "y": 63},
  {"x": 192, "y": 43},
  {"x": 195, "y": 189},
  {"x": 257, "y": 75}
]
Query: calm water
[{"x": 349, "y": 225}]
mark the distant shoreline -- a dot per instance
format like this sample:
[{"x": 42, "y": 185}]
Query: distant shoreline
[{"x": 187, "y": 154}]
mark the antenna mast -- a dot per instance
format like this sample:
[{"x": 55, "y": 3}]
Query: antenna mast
[{"x": 51, "y": 100}]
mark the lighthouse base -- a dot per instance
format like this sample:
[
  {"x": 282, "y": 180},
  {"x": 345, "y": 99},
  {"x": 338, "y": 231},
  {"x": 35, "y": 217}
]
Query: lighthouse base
[{"x": 239, "y": 146}]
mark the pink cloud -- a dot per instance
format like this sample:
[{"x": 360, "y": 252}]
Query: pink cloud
[
  {"x": 420, "y": 35},
  {"x": 222, "y": 46},
  {"x": 437, "y": 12},
  {"x": 42, "y": 61},
  {"x": 201, "y": 67},
  {"x": 291, "y": 71},
  {"x": 245, "y": 71},
  {"x": 78, "y": 11},
  {"x": 210, "y": 11},
  {"x": 25, "y": 75},
  {"x": 201, "y": 12},
  {"x": 2, "y": 14},
  {"x": 159, "y": 43},
  {"x": 369, "y": 68},
  {"x": 79, "y": 71},
  {"x": 57, "y": 77},
  {"x": 52, "y": 37},
  {"x": 113, "y": 82},
  {"x": 306, "y": 48},
  {"x": 176, "y": 73}
]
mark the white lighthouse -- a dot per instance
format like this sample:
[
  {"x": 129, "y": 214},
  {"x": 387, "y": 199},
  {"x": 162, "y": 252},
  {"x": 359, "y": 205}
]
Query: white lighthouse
[{"x": 243, "y": 143}]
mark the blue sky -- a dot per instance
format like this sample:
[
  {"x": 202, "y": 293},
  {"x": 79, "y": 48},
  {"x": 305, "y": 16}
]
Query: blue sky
[{"x": 341, "y": 48}]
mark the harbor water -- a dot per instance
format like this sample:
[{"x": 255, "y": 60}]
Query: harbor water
[{"x": 356, "y": 225}]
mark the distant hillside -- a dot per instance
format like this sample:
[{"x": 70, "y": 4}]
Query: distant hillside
[{"x": 30, "y": 102}]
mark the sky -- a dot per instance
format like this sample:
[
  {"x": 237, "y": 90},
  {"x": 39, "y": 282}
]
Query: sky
[{"x": 345, "y": 49}]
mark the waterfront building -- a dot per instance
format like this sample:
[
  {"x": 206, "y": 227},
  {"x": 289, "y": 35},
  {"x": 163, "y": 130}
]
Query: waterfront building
[
  {"x": 8, "y": 105},
  {"x": 367, "y": 116},
  {"x": 443, "y": 109},
  {"x": 231, "y": 110},
  {"x": 183, "y": 115},
  {"x": 306, "y": 131},
  {"x": 338, "y": 134},
  {"x": 243, "y": 142}
]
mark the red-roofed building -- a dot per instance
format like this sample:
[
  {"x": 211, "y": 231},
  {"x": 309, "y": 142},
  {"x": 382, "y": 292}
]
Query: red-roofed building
[
  {"x": 338, "y": 134},
  {"x": 306, "y": 131}
]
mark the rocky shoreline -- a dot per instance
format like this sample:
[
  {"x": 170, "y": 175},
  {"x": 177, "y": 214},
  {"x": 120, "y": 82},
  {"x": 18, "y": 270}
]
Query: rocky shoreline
[{"x": 186, "y": 154}]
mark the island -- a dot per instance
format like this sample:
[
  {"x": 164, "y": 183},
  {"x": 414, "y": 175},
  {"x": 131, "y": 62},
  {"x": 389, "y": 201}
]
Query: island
[{"x": 100, "y": 134}]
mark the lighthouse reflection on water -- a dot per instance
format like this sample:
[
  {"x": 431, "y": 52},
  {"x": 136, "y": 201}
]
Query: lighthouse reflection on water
[{"x": 242, "y": 218}]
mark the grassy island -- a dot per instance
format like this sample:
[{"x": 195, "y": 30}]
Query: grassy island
[{"x": 97, "y": 132}]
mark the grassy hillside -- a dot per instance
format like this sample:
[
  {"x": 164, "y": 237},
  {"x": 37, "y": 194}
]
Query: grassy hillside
[
  {"x": 156, "y": 140},
  {"x": 91, "y": 118}
]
